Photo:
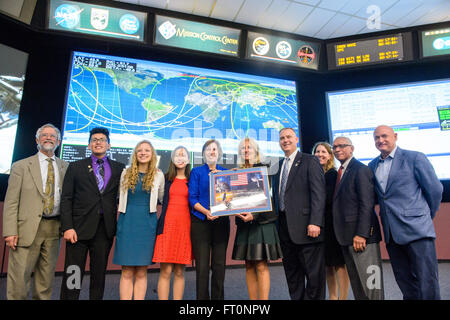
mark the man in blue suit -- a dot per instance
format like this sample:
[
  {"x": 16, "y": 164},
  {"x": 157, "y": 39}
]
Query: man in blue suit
[{"x": 409, "y": 194}]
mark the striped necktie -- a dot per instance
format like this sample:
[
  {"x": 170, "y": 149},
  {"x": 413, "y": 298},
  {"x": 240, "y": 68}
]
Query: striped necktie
[
  {"x": 284, "y": 178},
  {"x": 100, "y": 175}
]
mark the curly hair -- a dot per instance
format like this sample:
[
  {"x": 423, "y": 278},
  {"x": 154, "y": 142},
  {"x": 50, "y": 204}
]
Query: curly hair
[{"x": 132, "y": 174}]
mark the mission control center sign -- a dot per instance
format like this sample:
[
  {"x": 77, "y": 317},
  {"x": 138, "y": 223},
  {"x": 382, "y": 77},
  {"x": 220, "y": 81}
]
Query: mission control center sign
[{"x": 196, "y": 36}]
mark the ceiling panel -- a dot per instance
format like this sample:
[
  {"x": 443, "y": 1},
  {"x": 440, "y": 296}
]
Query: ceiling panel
[
  {"x": 318, "y": 18},
  {"x": 251, "y": 11},
  {"x": 330, "y": 27},
  {"x": 307, "y": 2},
  {"x": 415, "y": 14},
  {"x": 382, "y": 5},
  {"x": 436, "y": 14},
  {"x": 180, "y": 5},
  {"x": 315, "y": 21},
  {"x": 400, "y": 9},
  {"x": 153, "y": 3},
  {"x": 268, "y": 17},
  {"x": 226, "y": 9},
  {"x": 332, "y": 4},
  {"x": 202, "y": 7},
  {"x": 351, "y": 26},
  {"x": 292, "y": 17},
  {"x": 353, "y": 6}
]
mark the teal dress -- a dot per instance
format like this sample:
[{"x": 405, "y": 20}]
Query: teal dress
[{"x": 136, "y": 230}]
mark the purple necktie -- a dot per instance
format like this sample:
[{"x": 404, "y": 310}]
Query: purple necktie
[{"x": 100, "y": 175}]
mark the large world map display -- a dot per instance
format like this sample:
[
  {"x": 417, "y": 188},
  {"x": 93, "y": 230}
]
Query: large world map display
[{"x": 172, "y": 104}]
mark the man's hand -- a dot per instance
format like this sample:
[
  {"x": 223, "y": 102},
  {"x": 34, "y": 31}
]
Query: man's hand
[
  {"x": 313, "y": 231},
  {"x": 11, "y": 241},
  {"x": 245, "y": 216},
  {"x": 359, "y": 244},
  {"x": 71, "y": 235}
]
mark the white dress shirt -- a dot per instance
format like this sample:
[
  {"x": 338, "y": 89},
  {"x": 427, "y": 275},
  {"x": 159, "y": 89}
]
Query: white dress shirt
[
  {"x": 291, "y": 161},
  {"x": 43, "y": 163}
]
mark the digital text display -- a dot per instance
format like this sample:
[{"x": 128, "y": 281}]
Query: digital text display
[
  {"x": 369, "y": 51},
  {"x": 418, "y": 112}
]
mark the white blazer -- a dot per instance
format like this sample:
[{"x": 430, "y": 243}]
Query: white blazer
[{"x": 157, "y": 192}]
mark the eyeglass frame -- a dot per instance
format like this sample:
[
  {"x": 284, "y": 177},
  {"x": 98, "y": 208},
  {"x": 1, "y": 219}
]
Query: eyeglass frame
[
  {"x": 340, "y": 146},
  {"x": 102, "y": 140}
]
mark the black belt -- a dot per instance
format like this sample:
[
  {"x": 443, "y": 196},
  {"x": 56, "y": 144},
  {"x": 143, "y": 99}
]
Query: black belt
[{"x": 58, "y": 217}]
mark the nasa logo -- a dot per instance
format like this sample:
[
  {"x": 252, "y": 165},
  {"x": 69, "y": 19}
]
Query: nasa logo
[
  {"x": 67, "y": 16},
  {"x": 129, "y": 23}
]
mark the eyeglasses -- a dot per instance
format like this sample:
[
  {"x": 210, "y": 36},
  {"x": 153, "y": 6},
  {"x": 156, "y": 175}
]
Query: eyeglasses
[
  {"x": 49, "y": 135},
  {"x": 341, "y": 146},
  {"x": 101, "y": 140}
]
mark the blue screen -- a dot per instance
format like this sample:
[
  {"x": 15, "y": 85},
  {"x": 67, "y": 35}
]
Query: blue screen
[
  {"x": 419, "y": 112},
  {"x": 172, "y": 105}
]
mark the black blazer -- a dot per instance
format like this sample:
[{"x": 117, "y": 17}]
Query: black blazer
[
  {"x": 353, "y": 206},
  {"x": 81, "y": 200},
  {"x": 304, "y": 197}
]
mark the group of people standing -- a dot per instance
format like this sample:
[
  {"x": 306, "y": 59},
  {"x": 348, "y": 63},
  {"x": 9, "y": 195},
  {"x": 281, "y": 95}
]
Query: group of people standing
[{"x": 323, "y": 223}]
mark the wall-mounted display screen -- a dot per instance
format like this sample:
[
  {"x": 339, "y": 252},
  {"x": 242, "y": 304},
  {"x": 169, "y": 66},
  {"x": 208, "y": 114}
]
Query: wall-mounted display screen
[
  {"x": 419, "y": 113},
  {"x": 265, "y": 47},
  {"x": 97, "y": 20},
  {"x": 196, "y": 36},
  {"x": 13, "y": 64},
  {"x": 435, "y": 42},
  {"x": 377, "y": 50},
  {"x": 172, "y": 105}
]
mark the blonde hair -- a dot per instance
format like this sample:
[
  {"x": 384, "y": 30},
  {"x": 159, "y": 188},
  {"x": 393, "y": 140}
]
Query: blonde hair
[
  {"x": 132, "y": 174},
  {"x": 327, "y": 146},
  {"x": 242, "y": 163}
]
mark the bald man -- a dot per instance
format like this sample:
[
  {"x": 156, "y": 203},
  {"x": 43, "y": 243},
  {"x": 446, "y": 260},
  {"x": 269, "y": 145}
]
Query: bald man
[{"x": 409, "y": 194}]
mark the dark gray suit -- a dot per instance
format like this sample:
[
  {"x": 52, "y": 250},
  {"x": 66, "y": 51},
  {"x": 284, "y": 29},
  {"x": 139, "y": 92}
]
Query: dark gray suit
[
  {"x": 354, "y": 215},
  {"x": 304, "y": 205}
]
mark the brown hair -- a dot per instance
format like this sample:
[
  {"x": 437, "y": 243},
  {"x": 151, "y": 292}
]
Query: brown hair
[
  {"x": 327, "y": 146},
  {"x": 172, "y": 171}
]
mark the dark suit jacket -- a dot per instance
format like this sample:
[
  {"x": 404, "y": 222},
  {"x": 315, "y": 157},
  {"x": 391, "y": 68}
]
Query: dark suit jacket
[
  {"x": 304, "y": 197},
  {"x": 81, "y": 200},
  {"x": 353, "y": 206}
]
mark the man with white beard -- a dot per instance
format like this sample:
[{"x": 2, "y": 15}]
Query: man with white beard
[{"x": 31, "y": 218}]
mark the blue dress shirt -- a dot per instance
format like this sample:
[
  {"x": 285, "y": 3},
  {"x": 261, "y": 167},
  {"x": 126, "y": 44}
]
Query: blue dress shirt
[
  {"x": 383, "y": 169},
  {"x": 199, "y": 188}
]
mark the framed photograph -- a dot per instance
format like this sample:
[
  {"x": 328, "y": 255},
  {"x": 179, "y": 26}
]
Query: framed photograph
[{"x": 243, "y": 190}]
